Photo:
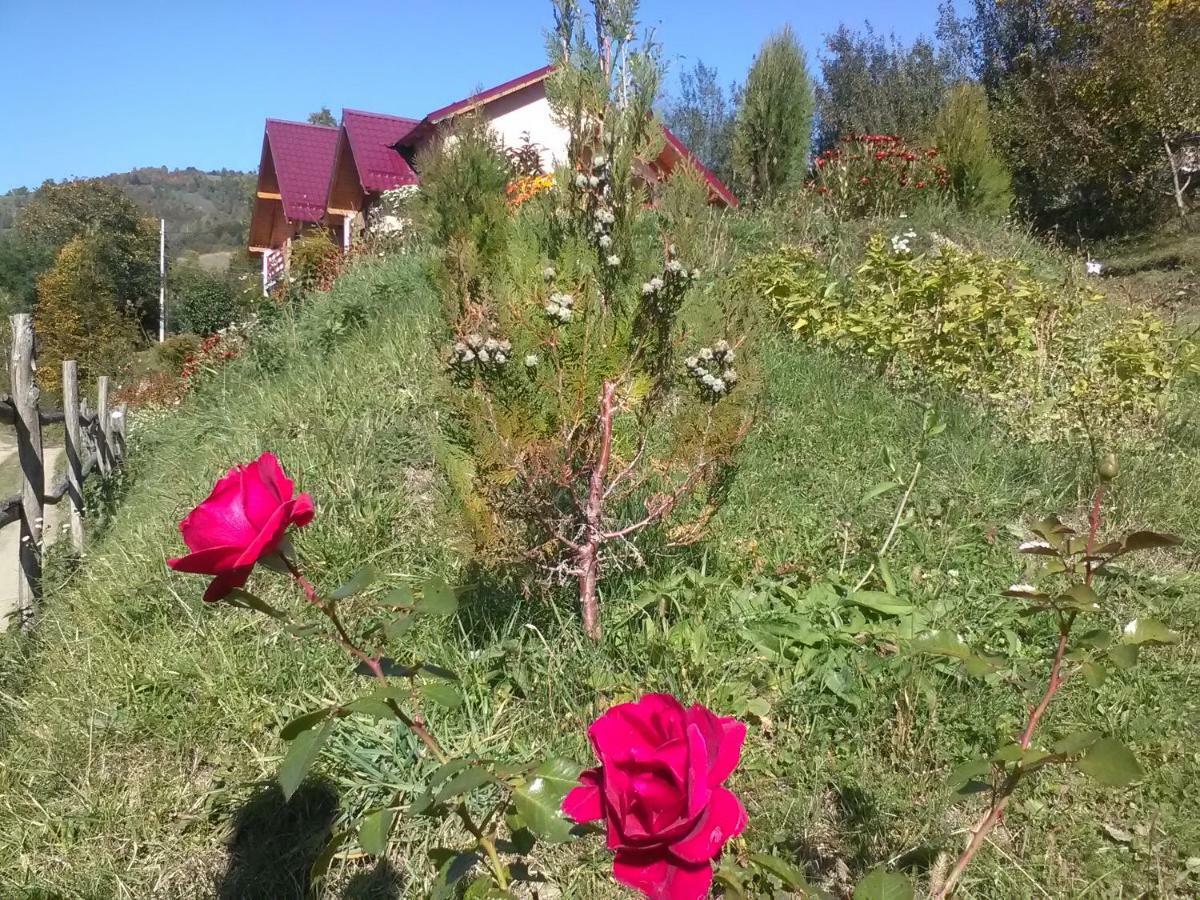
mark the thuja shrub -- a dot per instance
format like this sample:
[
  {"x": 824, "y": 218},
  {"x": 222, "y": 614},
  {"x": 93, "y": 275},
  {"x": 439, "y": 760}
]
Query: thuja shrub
[
  {"x": 878, "y": 174},
  {"x": 591, "y": 425},
  {"x": 1050, "y": 360}
]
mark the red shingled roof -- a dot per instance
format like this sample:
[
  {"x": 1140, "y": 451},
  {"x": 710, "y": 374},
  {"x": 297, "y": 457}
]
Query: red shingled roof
[
  {"x": 303, "y": 158},
  {"x": 372, "y": 137},
  {"x": 715, "y": 184}
]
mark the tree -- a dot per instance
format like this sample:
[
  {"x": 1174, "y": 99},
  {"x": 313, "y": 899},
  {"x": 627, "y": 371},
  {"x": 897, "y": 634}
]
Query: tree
[
  {"x": 873, "y": 85},
  {"x": 773, "y": 132},
  {"x": 703, "y": 118},
  {"x": 322, "y": 117},
  {"x": 978, "y": 178},
  {"x": 77, "y": 317},
  {"x": 122, "y": 242}
]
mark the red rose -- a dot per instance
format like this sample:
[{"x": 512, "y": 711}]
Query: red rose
[
  {"x": 659, "y": 790},
  {"x": 244, "y": 519}
]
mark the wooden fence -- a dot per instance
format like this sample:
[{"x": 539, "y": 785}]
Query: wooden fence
[{"x": 94, "y": 441}]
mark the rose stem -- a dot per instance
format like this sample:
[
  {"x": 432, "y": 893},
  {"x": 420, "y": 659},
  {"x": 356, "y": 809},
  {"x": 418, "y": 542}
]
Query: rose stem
[{"x": 993, "y": 816}]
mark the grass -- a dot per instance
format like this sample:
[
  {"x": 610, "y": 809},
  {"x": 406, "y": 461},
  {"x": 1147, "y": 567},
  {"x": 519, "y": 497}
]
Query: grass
[{"x": 138, "y": 729}]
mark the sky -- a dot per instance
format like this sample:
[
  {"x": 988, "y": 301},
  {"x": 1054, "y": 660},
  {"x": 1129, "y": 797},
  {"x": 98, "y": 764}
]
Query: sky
[{"x": 92, "y": 87}]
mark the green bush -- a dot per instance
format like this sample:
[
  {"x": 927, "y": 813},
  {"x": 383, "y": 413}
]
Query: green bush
[
  {"x": 201, "y": 302},
  {"x": 878, "y": 174},
  {"x": 1049, "y": 360},
  {"x": 979, "y": 180}
]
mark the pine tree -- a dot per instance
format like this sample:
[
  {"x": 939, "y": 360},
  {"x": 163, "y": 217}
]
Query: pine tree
[
  {"x": 774, "y": 124},
  {"x": 978, "y": 178}
]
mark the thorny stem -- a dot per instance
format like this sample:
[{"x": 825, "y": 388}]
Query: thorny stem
[
  {"x": 980, "y": 832},
  {"x": 342, "y": 638}
]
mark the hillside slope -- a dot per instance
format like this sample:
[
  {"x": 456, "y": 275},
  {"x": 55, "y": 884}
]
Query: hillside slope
[
  {"x": 206, "y": 212},
  {"x": 138, "y": 738}
]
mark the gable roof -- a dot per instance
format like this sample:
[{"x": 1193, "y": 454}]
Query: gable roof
[
  {"x": 303, "y": 158},
  {"x": 371, "y": 137},
  {"x": 484, "y": 97},
  {"x": 715, "y": 184}
]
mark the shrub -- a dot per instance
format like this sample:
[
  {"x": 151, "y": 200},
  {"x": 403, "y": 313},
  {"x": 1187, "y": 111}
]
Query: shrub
[
  {"x": 878, "y": 174},
  {"x": 578, "y": 430},
  {"x": 1048, "y": 360},
  {"x": 314, "y": 262},
  {"x": 979, "y": 180},
  {"x": 201, "y": 302}
]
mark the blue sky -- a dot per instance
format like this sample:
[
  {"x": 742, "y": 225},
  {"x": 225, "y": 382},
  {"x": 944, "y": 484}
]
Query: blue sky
[{"x": 99, "y": 87}]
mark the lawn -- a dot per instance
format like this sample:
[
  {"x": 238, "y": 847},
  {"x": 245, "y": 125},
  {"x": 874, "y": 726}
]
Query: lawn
[{"x": 139, "y": 728}]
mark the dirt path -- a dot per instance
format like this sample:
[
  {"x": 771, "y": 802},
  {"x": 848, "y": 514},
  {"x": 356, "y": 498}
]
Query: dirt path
[{"x": 10, "y": 537}]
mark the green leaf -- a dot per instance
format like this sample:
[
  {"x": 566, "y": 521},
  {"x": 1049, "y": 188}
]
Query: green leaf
[
  {"x": 880, "y": 884},
  {"x": 245, "y": 600},
  {"x": 373, "y": 831},
  {"x": 370, "y": 706},
  {"x": 1075, "y": 742},
  {"x": 301, "y": 754},
  {"x": 1148, "y": 631},
  {"x": 1080, "y": 597},
  {"x": 320, "y": 866},
  {"x": 453, "y": 866},
  {"x": 400, "y": 597},
  {"x": 1149, "y": 540},
  {"x": 437, "y": 599},
  {"x": 1110, "y": 762},
  {"x": 1124, "y": 656},
  {"x": 302, "y": 631},
  {"x": 964, "y": 772},
  {"x": 394, "y": 629},
  {"x": 787, "y": 873},
  {"x": 881, "y": 602},
  {"x": 539, "y": 801},
  {"x": 463, "y": 783},
  {"x": 303, "y": 723},
  {"x": 362, "y": 579},
  {"x": 443, "y": 694},
  {"x": 1093, "y": 674},
  {"x": 440, "y": 774},
  {"x": 879, "y": 490},
  {"x": 728, "y": 876}
]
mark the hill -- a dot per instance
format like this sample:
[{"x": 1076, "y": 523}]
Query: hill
[
  {"x": 145, "y": 718},
  {"x": 206, "y": 212}
]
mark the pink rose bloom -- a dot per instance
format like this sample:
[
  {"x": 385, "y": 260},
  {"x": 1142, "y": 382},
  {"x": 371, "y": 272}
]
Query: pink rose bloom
[
  {"x": 659, "y": 790},
  {"x": 244, "y": 519}
]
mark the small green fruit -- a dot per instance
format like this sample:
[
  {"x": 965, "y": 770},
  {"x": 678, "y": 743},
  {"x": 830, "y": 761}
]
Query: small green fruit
[{"x": 1108, "y": 468}]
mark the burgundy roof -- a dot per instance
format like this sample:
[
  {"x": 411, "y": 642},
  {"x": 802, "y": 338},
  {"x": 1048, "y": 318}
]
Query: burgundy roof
[
  {"x": 717, "y": 185},
  {"x": 372, "y": 136},
  {"x": 489, "y": 95},
  {"x": 303, "y": 158}
]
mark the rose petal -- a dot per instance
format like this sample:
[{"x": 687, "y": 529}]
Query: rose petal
[
  {"x": 724, "y": 737},
  {"x": 264, "y": 489},
  {"x": 219, "y": 520},
  {"x": 662, "y": 879},
  {"x": 267, "y": 541},
  {"x": 212, "y": 561},
  {"x": 724, "y": 819},
  {"x": 583, "y": 804},
  {"x": 647, "y": 723},
  {"x": 303, "y": 511},
  {"x": 697, "y": 773}
]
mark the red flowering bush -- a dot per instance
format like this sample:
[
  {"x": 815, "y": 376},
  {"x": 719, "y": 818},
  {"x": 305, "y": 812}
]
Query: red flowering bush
[
  {"x": 242, "y": 521},
  {"x": 877, "y": 174},
  {"x": 659, "y": 789}
]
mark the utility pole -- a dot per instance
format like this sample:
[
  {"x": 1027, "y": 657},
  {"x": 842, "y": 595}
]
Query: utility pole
[{"x": 162, "y": 280}]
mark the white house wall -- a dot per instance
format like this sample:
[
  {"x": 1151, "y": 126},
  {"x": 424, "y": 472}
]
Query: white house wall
[{"x": 527, "y": 112}]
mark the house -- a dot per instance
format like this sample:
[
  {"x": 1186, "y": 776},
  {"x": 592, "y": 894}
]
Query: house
[{"x": 317, "y": 176}]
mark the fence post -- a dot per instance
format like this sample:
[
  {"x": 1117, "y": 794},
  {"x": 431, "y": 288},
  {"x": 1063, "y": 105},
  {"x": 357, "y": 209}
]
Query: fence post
[
  {"x": 70, "y": 380},
  {"x": 103, "y": 426},
  {"x": 33, "y": 476}
]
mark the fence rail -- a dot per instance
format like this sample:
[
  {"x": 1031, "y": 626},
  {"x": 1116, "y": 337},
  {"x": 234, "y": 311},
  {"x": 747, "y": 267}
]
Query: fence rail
[{"x": 94, "y": 442}]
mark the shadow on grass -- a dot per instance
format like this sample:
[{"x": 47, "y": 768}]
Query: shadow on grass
[
  {"x": 382, "y": 882},
  {"x": 275, "y": 842}
]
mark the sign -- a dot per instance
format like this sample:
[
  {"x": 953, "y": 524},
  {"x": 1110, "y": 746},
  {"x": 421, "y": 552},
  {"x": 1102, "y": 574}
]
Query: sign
[{"x": 272, "y": 269}]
